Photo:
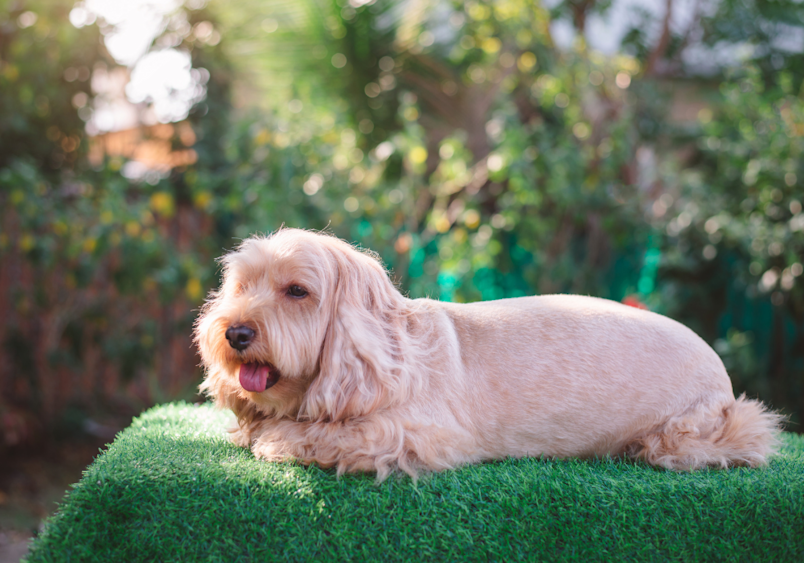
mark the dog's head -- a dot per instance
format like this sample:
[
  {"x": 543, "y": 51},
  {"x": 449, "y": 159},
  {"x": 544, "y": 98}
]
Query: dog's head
[{"x": 305, "y": 326}]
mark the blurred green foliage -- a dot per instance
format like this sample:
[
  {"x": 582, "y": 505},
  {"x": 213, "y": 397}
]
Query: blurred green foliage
[
  {"x": 454, "y": 138},
  {"x": 38, "y": 121},
  {"x": 738, "y": 233}
]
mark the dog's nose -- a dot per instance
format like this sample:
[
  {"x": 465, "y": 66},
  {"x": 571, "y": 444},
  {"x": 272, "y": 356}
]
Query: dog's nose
[{"x": 239, "y": 337}]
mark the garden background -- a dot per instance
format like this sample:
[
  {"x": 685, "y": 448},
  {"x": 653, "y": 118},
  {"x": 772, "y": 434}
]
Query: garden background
[{"x": 646, "y": 151}]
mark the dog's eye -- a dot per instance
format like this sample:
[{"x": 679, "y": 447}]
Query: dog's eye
[{"x": 297, "y": 291}]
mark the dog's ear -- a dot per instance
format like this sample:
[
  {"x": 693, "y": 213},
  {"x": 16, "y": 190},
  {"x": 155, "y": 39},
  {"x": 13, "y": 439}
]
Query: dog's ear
[{"x": 361, "y": 367}]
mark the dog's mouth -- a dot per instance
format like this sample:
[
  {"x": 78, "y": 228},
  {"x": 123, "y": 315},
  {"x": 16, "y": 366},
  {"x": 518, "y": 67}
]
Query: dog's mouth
[{"x": 258, "y": 377}]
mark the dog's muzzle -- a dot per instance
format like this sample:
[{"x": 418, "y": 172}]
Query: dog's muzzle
[{"x": 239, "y": 337}]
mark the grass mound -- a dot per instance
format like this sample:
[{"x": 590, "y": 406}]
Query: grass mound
[{"x": 172, "y": 488}]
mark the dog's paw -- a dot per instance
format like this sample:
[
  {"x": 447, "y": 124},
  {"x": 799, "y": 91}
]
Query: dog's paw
[
  {"x": 272, "y": 451},
  {"x": 240, "y": 437}
]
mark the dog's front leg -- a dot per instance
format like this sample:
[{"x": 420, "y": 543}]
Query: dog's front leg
[
  {"x": 240, "y": 436},
  {"x": 350, "y": 446},
  {"x": 378, "y": 443}
]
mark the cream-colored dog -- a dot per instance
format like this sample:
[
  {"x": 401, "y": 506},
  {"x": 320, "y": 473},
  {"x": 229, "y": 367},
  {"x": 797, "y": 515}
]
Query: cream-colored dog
[{"x": 323, "y": 360}]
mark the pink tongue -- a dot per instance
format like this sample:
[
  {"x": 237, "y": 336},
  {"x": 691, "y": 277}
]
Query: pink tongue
[{"x": 254, "y": 377}]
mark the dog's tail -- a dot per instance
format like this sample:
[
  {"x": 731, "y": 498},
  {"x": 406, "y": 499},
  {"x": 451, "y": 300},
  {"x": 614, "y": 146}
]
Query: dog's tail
[{"x": 743, "y": 433}]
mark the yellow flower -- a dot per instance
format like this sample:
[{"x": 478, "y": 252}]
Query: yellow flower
[
  {"x": 478, "y": 11},
  {"x": 132, "y": 228},
  {"x": 491, "y": 45},
  {"x": 526, "y": 62},
  {"x": 263, "y": 137},
  {"x": 471, "y": 219},
  {"x": 162, "y": 203},
  {"x": 442, "y": 224},
  {"x": 417, "y": 155},
  {"x": 27, "y": 242},
  {"x": 203, "y": 199},
  {"x": 193, "y": 289}
]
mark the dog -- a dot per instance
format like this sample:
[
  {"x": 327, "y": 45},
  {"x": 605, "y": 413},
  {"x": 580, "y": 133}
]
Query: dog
[{"x": 323, "y": 360}]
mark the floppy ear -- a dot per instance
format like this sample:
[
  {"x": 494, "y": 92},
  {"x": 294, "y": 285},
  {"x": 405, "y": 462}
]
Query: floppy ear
[{"x": 361, "y": 367}]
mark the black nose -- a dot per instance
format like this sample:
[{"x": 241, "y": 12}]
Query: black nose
[{"x": 239, "y": 337}]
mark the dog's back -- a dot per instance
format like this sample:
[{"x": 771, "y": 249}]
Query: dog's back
[{"x": 569, "y": 375}]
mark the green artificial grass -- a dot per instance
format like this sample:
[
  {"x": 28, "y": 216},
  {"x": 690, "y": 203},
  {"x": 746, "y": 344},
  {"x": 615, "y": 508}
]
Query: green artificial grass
[{"x": 172, "y": 488}]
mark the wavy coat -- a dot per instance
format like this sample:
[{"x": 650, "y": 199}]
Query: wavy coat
[{"x": 368, "y": 380}]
